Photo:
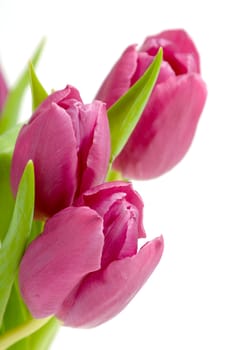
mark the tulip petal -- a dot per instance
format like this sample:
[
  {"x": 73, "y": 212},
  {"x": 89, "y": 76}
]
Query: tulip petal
[
  {"x": 120, "y": 234},
  {"x": 70, "y": 247},
  {"x": 52, "y": 131},
  {"x": 143, "y": 62},
  {"x": 69, "y": 92},
  {"x": 104, "y": 294},
  {"x": 118, "y": 80},
  {"x": 166, "y": 129},
  {"x": 175, "y": 42},
  {"x": 100, "y": 198},
  {"x": 95, "y": 148}
]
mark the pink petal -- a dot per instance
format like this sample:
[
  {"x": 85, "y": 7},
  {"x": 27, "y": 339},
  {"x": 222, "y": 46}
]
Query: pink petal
[
  {"x": 166, "y": 129},
  {"x": 173, "y": 42},
  {"x": 48, "y": 140},
  {"x": 165, "y": 73},
  {"x": 143, "y": 62},
  {"x": 57, "y": 97},
  {"x": 118, "y": 80},
  {"x": 101, "y": 197},
  {"x": 94, "y": 121},
  {"x": 130, "y": 244},
  {"x": 103, "y": 294},
  {"x": 120, "y": 239},
  {"x": 59, "y": 258}
]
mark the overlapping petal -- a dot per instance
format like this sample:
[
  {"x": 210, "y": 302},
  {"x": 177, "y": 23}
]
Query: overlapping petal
[
  {"x": 118, "y": 80},
  {"x": 172, "y": 115},
  {"x": 101, "y": 198},
  {"x": 69, "y": 248},
  {"x": 50, "y": 142},
  {"x": 97, "y": 147},
  {"x": 104, "y": 294}
]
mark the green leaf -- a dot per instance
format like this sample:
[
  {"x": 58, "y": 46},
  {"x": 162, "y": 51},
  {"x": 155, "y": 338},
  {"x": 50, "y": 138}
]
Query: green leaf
[
  {"x": 6, "y": 197},
  {"x": 10, "y": 113},
  {"x": 114, "y": 175},
  {"x": 41, "y": 339},
  {"x": 7, "y": 142},
  {"x": 8, "y": 139},
  {"x": 16, "y": 313},
  {"x": 14, "y": 243},
  {"x": 125, "y": 113},
  {"x": 36, "y": 229},
  {"x": 38, "y": 92}
]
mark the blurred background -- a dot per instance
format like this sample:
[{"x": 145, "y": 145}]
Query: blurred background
[{"x": 187, "y": 303}]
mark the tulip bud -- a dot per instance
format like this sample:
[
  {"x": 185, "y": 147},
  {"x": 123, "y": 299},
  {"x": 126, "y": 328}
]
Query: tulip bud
[
  {"x": 85, "y": 267},
  {"x": 167, "y": 126},
  {"x": 69, "y": 143},
  {"x": 3, "y": 91}
]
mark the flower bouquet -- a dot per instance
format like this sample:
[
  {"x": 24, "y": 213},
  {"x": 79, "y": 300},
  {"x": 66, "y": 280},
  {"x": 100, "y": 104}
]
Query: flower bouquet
[{"x": 70, "y": 217}]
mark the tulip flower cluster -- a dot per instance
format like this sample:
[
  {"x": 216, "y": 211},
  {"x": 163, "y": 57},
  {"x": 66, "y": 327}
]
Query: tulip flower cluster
[
  {"x": 92, "y": 225},
  {"x": 83, "y": 265}
]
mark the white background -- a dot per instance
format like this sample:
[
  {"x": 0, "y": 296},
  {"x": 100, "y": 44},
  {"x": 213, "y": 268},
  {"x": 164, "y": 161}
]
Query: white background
[{"x": 186, "y": 304}]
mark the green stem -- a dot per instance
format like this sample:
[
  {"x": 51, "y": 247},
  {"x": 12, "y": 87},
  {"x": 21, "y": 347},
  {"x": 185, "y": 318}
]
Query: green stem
[{"x": 22, "y": 331}]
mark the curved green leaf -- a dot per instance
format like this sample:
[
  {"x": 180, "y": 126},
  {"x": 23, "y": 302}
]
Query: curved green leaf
[
  {"x": 15, "y": 241},
  {"x": 37, "y": 90},
  {"x": 8, "y": 139},
  {"x": 6, "y": 197},
  {"x": 125, "y": 113},
  {"x": 42, "y": 339},
  {"x": 16, "y": 313},
  {"x": 10, "y": 114},
  {"x": 7, "y": 143}
]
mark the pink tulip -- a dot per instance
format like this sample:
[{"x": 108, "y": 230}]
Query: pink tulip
[
  {"x": 69, "y": 143},
  {"x": 85, "y": 267},
  {"x": 167, "y": 126},
  {"x": 3, "y": 91}
]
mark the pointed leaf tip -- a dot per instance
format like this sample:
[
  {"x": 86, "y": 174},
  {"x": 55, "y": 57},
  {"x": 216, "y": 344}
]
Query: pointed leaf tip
[
  {"x": 10, "y": 113},
  {"x": 38, "y": 92}
]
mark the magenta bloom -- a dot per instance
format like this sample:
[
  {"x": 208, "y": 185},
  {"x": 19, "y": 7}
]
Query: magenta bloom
[
  {"x": 69, "y": 143},
  {"x": 3, "y": 91},
  {"x": 168, "y": 123},
  {"x": 85, "y": 267}
]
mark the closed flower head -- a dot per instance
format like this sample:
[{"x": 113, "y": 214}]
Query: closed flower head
[
  {"x": 166, "y": 128},
  {"x": 86, "y": 267},
  {"x": 69, "y": 143}
]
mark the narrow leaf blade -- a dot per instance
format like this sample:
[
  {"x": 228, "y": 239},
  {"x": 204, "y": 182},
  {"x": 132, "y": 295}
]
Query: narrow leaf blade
[
  {"x": 125, "y": 113},
  {"x": 10, "y": 114},
  {"x": 45, "y": 335},
  {"x": 37, "y": 90},
  {"x": 16, "y": 313},
  {"x": 6, "y": 198},
  {"x": 8, "y": 139},
  {"x": 14, "y": 243}
]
